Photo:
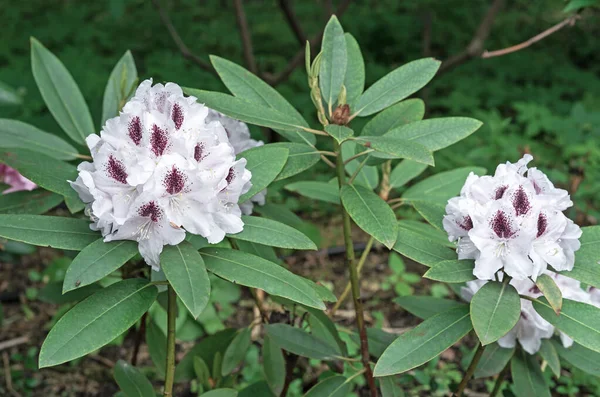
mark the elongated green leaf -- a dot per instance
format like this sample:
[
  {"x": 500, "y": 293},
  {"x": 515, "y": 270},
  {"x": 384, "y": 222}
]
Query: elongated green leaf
[
  {"x": 551, "y": 291},
  {"x": 378, "y": 340},
  {"x": 575, "y": 5},
  {"x": 578, "y": 320},
  {"x": 389, "y": 388},
  {"x": 390, "y": 148},
  {"x": 253, "y": 113},
  {"x": 16, "y": 134},
  {"x": 432, "y": 211},
  {"x": 300, "y": 342},
  {"x": 427, "y": 231},
  {"x": 206, "y": 349},
  {"x": 9, "y": 96},
  {"x": 355, "y": 70},
  {"x": 274, "y": 365},
  {"x": 424, "y": 342},
  {"x": 578, "y": 356},
  {"x": 369, "y": 175},
  {"x": 52, "y": 293},
  {"x": 236, "y": 351},
  {"x": 184, "y": 268},
  {"x": 405, "y": 171},
  {"x": 61, "y": 93},
  {"x": 420, "y": 249},
  {"x": 323, "y": 328},
  {"x": 264, "y": 251},
  {"x": 96, "y": 321},
  {"x": 131, "y": 381},
  {"x": 334, "y": 386},
  {"x": 260, "y": 388},
  {"x": 586, "y": 267},
  {"x": 48, "y": 231},
  {"x": 268, "y": 232},
  {"x": 397, "y": 85},
  {"x": 322, "y": 191},
  {"x": 221, "y": 393},
  {"x": 495, "y": 310},
  {"x": 453, "y": 271},
  {"x": 96, "y": 261},
  {"x": 29, "y": 202},
  {"x": 339, "y": 132},
  {"x": 442, "y": 186},
  {"x": 436, "y": 134},
  {"x": 493, "y": 360},
  {"x": 333, "y": 61},
  {"x": 253, "y": 271},
  {"x": 528, "y": 379},
  {"x": 300, "y": 158},
  {"x": 121, "y": 83},
  {"x": 425, "y": 307},
  {"x": 265, "y": 163},
  {"x": 550, "y": 355},
  {"x": 157, "y": 347},
  {"x": 370, "y": 213},
  {"x": 395, "y": 116},
  {"x": 46, "y": 172}
]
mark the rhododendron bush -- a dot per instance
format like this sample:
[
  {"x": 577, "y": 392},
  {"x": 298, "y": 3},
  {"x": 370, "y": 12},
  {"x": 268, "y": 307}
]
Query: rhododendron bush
[{"x": 173, "y": 186}]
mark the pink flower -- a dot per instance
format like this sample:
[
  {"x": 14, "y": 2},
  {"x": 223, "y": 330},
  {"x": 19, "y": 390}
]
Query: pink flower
[{"x": 16, "y": 181}]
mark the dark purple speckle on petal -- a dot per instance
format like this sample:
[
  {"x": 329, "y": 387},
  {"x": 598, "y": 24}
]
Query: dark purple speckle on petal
[
  {"x": 520, "y": 202},
  {"x": 158, "y": 140},
  {"x": 177, "y": 116},
  {"x": 116, "y": 170},
  {"x": 542, "y": 224},
  {"x": 500, "y": 224},
  {"x": 151, "y": 210},
  {"x": 174, "y": 181}
]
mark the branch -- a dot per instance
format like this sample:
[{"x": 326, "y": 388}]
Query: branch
[
  {"x": 475, "y": 47},
  {"x": 185, "y": 51},
  {"x": 292, "y": 20},
  {"x": 569, "y": 21},
  {"x": 240, "y": 16}
]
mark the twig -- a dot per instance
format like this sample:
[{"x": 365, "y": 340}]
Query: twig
[
  {"x": 14, "y": 342},
  {"x": 499, "y": 380},
  {"x": 185, "y": 51},
  {"x": 470, "y": 370},
  {"x": 8, "y": 375},
  {"x": 475, "y": 47},
  {"x": 171, "y": 318},
  {"x": 292, "y": 20},
  {"x": 240, "y": 16},
  {"x": 102, "y": 360},
  {"x": 568, "y": 21},
  {"x": 139, "y": 337}
]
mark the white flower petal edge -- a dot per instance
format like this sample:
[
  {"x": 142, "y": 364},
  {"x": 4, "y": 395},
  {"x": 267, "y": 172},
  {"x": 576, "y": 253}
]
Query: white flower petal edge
[{"x": 163, "y": 168}]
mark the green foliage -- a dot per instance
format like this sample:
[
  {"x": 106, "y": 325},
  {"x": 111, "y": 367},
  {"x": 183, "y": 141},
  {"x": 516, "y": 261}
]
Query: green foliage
[
  {"x": 495, "y": 310},
  {"x": 400, "y": 280}
]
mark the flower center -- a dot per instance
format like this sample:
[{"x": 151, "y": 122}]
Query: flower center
[
  {"x": 150, "y": 210},
  {"x": 542, "y": 224},
  {"x": 501, "y": 225},
  {"x": 116, "y": 170},
  {"x": 135, "y": 130},
  {"x": 521, "y": 202},
  {"x": 158, "y": 140},
  {"x": 177, "y": 115},
  {"x": 174, "y": 181}
]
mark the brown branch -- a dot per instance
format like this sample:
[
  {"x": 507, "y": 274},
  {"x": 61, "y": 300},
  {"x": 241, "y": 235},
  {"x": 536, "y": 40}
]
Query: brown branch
[
  {"x": 240, "y": 16},
  {"x": 292, "y": 20},
  {"x": 475, "y": 47},
  {"x": 139, "y": 338},
  {"x": 569, "y": 21},
  {"x": 185, "y": 51}
]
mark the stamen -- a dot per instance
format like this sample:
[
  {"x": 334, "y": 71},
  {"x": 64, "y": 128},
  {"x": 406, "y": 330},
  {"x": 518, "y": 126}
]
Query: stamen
[
  {"x": 150, "y": 210},
  {"x": 135, "y": 130},
  {"x": 174, "y": 181},
  {"x": 158, "y": 140},
  {"x": 116, "y": 170},
  {"x": 177, "y": 116}
]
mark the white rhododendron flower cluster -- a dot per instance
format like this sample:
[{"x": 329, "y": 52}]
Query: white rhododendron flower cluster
[
  {"x": 531, "y": 327},
  {"x": 161, "y": 169},
  {"x": 512, "y": 221}
]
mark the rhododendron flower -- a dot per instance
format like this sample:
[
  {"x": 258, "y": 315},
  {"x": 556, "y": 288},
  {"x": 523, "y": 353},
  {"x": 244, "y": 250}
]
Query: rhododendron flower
[
  {"x": 14, "y": 179},
  {"x": 513, "y": 222},
  {"x": 531, "y": 327},
  {"x": 161, "y": 169}
]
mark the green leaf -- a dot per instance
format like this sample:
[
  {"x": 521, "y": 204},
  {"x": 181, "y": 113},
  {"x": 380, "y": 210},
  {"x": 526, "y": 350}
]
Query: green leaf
[
  {"x": 355, "y": 70},
  {"x": 47, "y": 172},
  {"x": 420, "y": 249},
  {"x": 427, "y": 231},
  {"x": 368, "y": 176},
  {"x": 334, "y": 386},
  {"x": 436, "y": 134},
  {"x": 371, "y": 213},
  {"x": 578, "y": 320},
  {"x": 425, "y": 307},
  {"x": 184, "y": 268},
  {"x": 9, "y": 96},
  {"x": 96, "y": 321},
  {"x": 16, "y": 134},
  {"x": 253, "y": 113},
  {"x": 453, "y": 271},
  {"x": 260, "y": 388},
  {"x": 322, "y": 191},
  {"x": 578, "y": 356},
  {"x": 157, "y": 347},
  {"x": 402, "y": 113},
  {"x": 221, "y": 393},
  {"x": 549, "y": 354},
  {"x": 389, "y": 388},
  {"x": 48, "y": 231},
  {"x": 378, "y": 341},
  {"x": 433, "y": 212},
  {"x": 339, "y": 132},
  {"x": 300, "y": 158},
  {"x": 61, "y": 93},
  {"x": 424, "y": 342},
  {"x": 274, "y": 365},
  {"x": 264, "y": 251},
  {"x": 120, "y": 84},
  {"x": 493, "y": 360},
  {"x": 575, "y": 5},
  {"x": 253, "y": 271},
  {"x": 551, "y": 291},
  {"x": 97, "y": 261},
  {"x": 131, "y": 381},
  {"x": 495, "y": 310},
  {"x": 397, "y": 85},
  {"x": 29, "y": 202},
  {"x": 300, "y": 342},
  {"x": 323, "y": 328},
  {"x": 272, "y": 233},
  {"x": 333, "y": 61},
  {"x": 586, "y": 267},
  {"x": 440, "y": 187},
  {"x": 391, "y": 148},
  {"x": 52, "y": 293},
  {"x": 236, "y": 351},
  {"x": 265, "y": 163},
  {"x": 206, "y": 349},
  {"x": 405, "y": 171},
  {"x": 528, "y": 379}
]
